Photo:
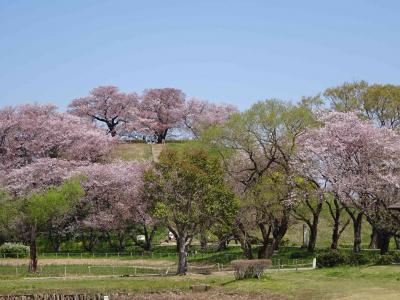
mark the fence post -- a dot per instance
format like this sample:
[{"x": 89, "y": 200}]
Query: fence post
[
  {"x": 68, "y": 254},
  {"x": 89, "y": 270},
  {"x": 135, "y": 271},
  {"x": 314, "y": 263},
  {"x": 65, "y": 271}
]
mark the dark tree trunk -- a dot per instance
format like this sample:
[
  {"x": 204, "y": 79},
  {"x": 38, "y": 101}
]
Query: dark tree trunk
[
  {"x": 243, "y": 238},
  {"x": 279, "y": 230},
  {"x": 33, "y": 261},
  {"x": 89, "y": 242},
  {"x": 121, "y": 240},
  {"x": 112, "y": 127},
  {"x": 182, "y": 263},
  {"x": 313, "y": 234},
  {"x": 203, "y": 241},
  {"x": 336, "y": 214},
  {"x": 356, "y": 217},
  {"x": 357, "y": 233},
  {"x": 313, "y": 222},
  {"x": 55, "y": 240},
  {"x": 223, "y": 241},
  {"x": 374, "y": 243},
  {"x": 148, "y": 237},
  {"x": 265, "y": 251},
  {"x": 161, "y": 136},
  {"x": 335, "y": 235},
  {"x": 384, "y": 242}
]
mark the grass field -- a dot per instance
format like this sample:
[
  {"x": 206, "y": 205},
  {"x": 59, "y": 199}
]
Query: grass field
[{"x": 373, "y": 282}]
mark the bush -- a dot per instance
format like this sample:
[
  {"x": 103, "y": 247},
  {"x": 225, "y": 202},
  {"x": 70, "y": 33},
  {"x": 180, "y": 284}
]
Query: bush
[
  {"x": 300, "y": 255},
  {"x": 13, "y": 249},
  {"x": 386, "y": 259},
  {"x": 356, "y": 259},
  {"x": 250, "y": 268},
  {"x": 331, "y": 259}
]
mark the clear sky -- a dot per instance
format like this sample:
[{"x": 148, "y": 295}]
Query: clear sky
[{"x": 225, "y": 51}]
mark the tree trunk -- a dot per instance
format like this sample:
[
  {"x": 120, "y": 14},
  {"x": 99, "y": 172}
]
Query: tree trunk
[
  {"x": 374, "y": 243},
  {"x": 279, "y": 231},
  {"x": 223, "y": 241},
  {"x": 182, "y": 263},
  {"x": 162, "y": 136},
  {"x": 384, "y": 241},
  {"x": 33, "y": 252},
  {"x": 357, "y": 222},
  {"x": 265, "y": 251},
  {"x": 148, "y": 238},
  {"x": 89, "y": 243},
  {"x": 242, "y": 236},
  {"x": 335, "y": 235},
  {"x": 121, "y": 240},
  {"x": 313, "y": 235},
  {"x": 336, "y": 214},
  {"x": 203, "y": 241}
]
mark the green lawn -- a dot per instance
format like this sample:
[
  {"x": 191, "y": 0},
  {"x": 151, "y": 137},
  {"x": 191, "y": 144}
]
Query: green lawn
[{"x": 376, "y": 282}]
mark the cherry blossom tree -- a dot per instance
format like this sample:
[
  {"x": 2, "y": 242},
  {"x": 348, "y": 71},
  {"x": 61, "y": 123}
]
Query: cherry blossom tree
[
  {"x": 200, "y": 115},
  {"x": 360, "y": 161},
  {"x": 107, "y": 105},
  {"x": 161, "y": 110},
  {"x": 112, "y": 201},
  {"x": 29, "y": 132}
]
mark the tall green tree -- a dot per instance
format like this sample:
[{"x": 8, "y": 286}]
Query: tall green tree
[
  {"x": 28, "y": 216},
  {"x": 189, "y": 193},
  {"x": 255, "y": 145}
]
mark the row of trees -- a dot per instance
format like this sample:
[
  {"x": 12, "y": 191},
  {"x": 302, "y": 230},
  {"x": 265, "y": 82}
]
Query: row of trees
[
  {"x": 155, "y": 113},
  {"x": 251, "y": 175}
]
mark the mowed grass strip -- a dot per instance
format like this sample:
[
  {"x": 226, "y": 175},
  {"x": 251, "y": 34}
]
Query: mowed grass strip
[
  {"x": 133, "y": 151},
  {"x": 374, "y": 282}
]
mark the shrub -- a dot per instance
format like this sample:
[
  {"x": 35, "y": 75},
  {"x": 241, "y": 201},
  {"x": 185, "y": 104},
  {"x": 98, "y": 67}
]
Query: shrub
[
  {"x": 396, "y": 257},
  {"x": 13, "y": 249},
  {"x": 356, "y": 259},
  {"x": 386, "y": 259},
  {"x": 250, "y": 268},
  {"x": 300, "y": 255},
  {"x": 331, "y": 259}
]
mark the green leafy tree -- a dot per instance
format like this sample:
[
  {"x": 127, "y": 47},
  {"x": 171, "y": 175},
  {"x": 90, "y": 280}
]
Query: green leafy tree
[
  {"x": 254, "y": 145},
  {"x": 189, "y": 193},
  {"x": 28, "y": 216}
]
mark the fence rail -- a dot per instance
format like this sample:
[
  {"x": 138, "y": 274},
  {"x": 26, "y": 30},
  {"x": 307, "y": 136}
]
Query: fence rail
[
  {"x": 127, "y": 255},
  {"x": 86, "y": 270}
]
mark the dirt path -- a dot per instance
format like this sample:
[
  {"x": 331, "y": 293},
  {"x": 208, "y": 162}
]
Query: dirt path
[{"x": 88, "y": 261}]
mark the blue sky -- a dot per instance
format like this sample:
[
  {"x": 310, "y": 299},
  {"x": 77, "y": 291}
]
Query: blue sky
[{"x": 226, "y": 51}]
